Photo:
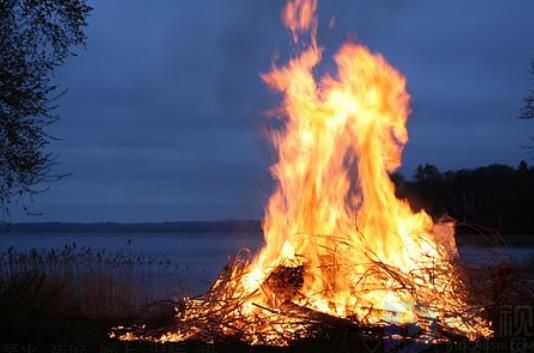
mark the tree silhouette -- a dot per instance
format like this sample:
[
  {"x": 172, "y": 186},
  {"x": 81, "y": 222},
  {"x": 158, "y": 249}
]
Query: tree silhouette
[
  {"x": 496, "y": 196},
  {"x": 35, "y": 38}
]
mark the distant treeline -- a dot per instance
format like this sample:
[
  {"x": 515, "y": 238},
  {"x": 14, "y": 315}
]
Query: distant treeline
[
  {"x": 242, "y": 226},
  {"x": 496, "y": 196}
]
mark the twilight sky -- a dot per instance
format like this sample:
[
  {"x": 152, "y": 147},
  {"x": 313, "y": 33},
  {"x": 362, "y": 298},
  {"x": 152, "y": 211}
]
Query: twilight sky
[{"x": 164, "y": 115}]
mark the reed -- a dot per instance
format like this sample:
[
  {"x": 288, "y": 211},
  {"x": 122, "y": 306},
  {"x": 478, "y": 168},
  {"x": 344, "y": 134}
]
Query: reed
[{"x": 93, "y": 283}]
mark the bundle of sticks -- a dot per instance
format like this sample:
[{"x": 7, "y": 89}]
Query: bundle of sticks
[{"x": 224, "y": 314}]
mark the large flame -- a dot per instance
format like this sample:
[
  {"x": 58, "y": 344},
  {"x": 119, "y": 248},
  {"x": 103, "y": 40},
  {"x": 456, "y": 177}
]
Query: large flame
[
  {"x": 348, "y": 246},
  {"x": 334, "y": 209}
]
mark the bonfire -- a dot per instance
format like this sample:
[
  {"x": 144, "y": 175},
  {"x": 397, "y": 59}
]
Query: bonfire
[{"x": 341, "y": 250}]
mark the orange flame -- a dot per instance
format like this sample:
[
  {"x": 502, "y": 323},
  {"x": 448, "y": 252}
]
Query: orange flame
[
  {"x": 299, "y": 16},
  {"x": 334, "y": 209},
  {"x": 334, "y": 219}
]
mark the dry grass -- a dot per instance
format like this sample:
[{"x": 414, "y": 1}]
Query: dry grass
[{"x": 95, "y": 284}]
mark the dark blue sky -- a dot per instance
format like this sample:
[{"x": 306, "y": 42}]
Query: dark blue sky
[{"x": 164, "y": 115}]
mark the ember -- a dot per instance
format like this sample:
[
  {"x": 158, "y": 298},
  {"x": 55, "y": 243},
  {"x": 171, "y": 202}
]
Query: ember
[{"x": 340, "y": 249}]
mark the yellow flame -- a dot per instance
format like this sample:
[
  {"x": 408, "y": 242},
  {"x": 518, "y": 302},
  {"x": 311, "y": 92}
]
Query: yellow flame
[
  {"x": 335, "y": 206},
  {"x": 334, "y": 218}
]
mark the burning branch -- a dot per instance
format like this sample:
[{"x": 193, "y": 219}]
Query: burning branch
[{"x": 341, "y": 251}]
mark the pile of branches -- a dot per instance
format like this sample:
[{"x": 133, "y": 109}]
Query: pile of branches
[{"x": 219, "y": 316}]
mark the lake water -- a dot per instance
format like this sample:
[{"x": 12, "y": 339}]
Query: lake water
[{"x": 197, "y": 258}]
